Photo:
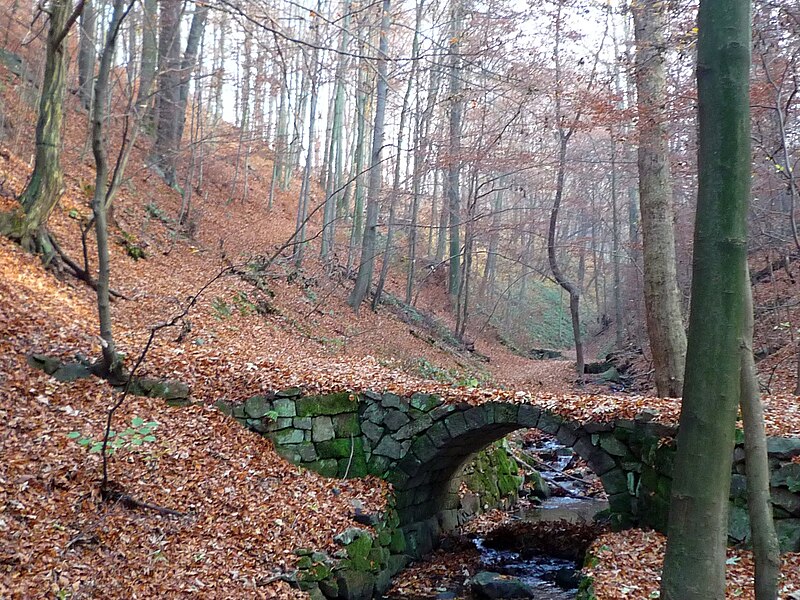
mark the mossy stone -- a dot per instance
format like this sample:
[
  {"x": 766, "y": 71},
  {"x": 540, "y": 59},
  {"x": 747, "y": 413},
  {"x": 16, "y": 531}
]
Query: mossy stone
[
  {"x": 284, "y": 407},
  {"x": 346, "y": 424},
  {"x": 397, "y": 545},
  {"x": 327, "y": 467},
  {"x": 330, "y": 404},
  {"x": 257, "y": 407},
  {"x": 336, "y": 448}
]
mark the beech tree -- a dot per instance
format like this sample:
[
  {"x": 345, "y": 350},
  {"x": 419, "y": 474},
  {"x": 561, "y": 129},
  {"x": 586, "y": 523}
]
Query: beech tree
[
  {"x": 45, "y": 185},
  {"x": 694, "y": 565},
  {"x": 662, "y": 298}
]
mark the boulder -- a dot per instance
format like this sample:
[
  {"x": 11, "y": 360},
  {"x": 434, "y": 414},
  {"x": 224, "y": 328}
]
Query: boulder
[{"x": 494, "y": 585}]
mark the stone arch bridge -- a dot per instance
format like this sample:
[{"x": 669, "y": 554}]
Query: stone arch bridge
[{"x": 420, "y": 443}]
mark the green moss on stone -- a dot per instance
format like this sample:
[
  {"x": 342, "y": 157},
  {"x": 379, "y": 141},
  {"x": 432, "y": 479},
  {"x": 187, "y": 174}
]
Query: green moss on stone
[
  {"x": 330, "y": 404},
  {"x": 346, "y": 424}
]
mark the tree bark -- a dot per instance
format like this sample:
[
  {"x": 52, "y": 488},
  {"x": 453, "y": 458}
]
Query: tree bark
[
  {"x": 759, "y": 503},
  {"x": 45, "y": 186},
  {"x": 365, "y": 268},
  {"x": 111, "y": 364},
  {"x": 662, "y": 297},
  {"x": 168, "y": 96},
  {"x": 453, "y": 189},
  {"x": 147, "y": 72},
  {"x": 86, "y": 53},
  {"x": 189, "y": 61},
  {"x": 694, "y": 565}
]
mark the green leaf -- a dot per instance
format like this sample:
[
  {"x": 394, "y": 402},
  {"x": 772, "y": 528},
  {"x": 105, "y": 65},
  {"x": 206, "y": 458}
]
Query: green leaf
[
  {"x": 84, "y": 441},
  {"x": 137, "y": 421},
  {"x": 73, "y": 435},
  {"x": 136, "y": 442},
  {"x": 96, "y": 447},
  {"x": 112, "y": 433},
  {"x": 129, "y": 431},
  {"x": 152, "y": 424},
  {"x": 144, "y": 430},
  {"x": 149, "y": 438},
  {"x": 732, "y": 560}
]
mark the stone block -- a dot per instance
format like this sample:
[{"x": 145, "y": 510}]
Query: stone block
[
  {"x": 389, "y": 447},
  {"x": 441, "y": 411},
  {"x": 257, "y": 407},
  {"x": 395, "y": 419},
  {"x": 322, "y": 429},
  {"x": 287, "y": 436},
  {"x": 425, "y": 402},
  {"x": 346, "y": 424},
  {"x": 549, "y": 423},
  {"x": 612, "y": 445},
  {"x": 788, "y": 501},
  {"x": 413, "y": 428},
  {"x": 615, "y": 482},
  {"x": 476, "y": 417},
  {"x": 284, "y": 407},
  {"x": 394, "y": 401},
  {"x": 335, "y": 448},
  {"x": 788, "y": 531},
  {"x": 331, "y": 404},
  {"x": 783, "y": 448},
  {"x": 423, "y": 448},
  {"x": 302, "y": 423},
  {"x": 355, "y": 585},
  {"x": 738, "y": 487},
  {"x": 567, "y": 434},
  {"x": 506, "y": 412},
  {"x": 456, "y": 424},
  {"x": 379, "y": 465},
  {"x": 600, "y": 462},
  {"x": 528, "y": 415},
  {"x": 439, "y": 434},
  {"x": 372, "y": 431}
]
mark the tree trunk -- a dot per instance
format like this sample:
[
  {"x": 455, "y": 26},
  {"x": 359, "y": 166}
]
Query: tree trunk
[
  {"x": 759, "y": 503},
  {"x": 453, "y": 189},
  {"x": 45, "y": 187},
  {"x": 168, "y": 98},
  {"x": 147, "y": 72},
  {"x": 662, "y": 297},
  {"x": 189, "y": 61},
  {"x": 365, "y": 268},
  {"x": 86, "y": 53},
  {"x": 694, "y": 565},
  {"x": 111, "y": 364}
]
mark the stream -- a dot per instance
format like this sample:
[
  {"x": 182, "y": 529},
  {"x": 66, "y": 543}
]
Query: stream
[{"x": 538, "y": 552}]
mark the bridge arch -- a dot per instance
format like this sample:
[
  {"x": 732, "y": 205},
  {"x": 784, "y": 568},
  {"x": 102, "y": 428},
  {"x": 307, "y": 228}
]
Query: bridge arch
[{"x": 426, "y": 479}]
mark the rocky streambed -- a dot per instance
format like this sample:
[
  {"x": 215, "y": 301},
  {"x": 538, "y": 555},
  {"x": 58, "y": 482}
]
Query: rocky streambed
[{"x": 534, "y": 550}]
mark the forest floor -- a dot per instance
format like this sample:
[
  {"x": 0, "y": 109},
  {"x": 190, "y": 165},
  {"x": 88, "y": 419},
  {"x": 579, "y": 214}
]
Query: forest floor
[{"x": 244, "y": 509}]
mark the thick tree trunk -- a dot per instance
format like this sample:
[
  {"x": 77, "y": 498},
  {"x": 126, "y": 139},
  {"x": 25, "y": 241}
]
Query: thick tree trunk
[
  {"x": 45, "y": 187},
  {"x": 694, "y": 566},
  {"x": 168, "y": 98},
  {"x": 662, "y": 298},
  {"x": 147, "y": 72},
  {"x": 365, "y": 268}
]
